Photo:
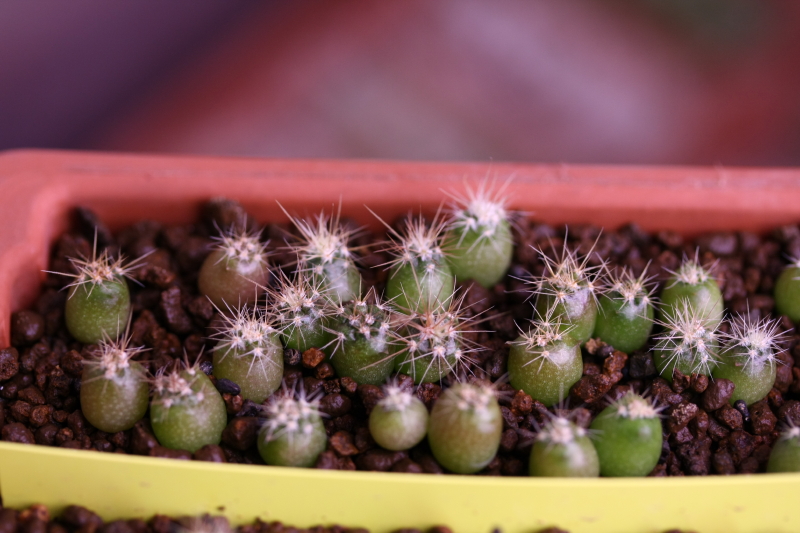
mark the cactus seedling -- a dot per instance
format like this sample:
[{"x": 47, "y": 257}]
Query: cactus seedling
[
  {"x": 324, "y": 252},
  {"x": 362, "y": 341},
  {"x": 545, "y": 361},
  {"x": 98, "y": 302},
  {"x": 689, "y": 343},
  {"x": 787, "y": 291},
  {"x": 249, "y": 353},
  {"x": 785, "y": 455},
  {"x": 431, "y": 344},
  {"x": 568, "y": 286},
  {"x": 235, "y": 272},
  {"x": 399, "y": 421},
  {"x": 748, "y": 358},
  {"x": 479, "y": 236},
  {"x": 693, "y": 283},
  {"x": 302, "y": 308},
  {"x": 114, "y": 389},
  {"x": 419, "y": 274},
  {"x": 465, "y": 427},
  {"x": 626, "y": 313},
  {"x": 186, "y": 412},
  {"x": 563, "y": 449},
  {"x": 629, "y": 437},
  {"x": 293, "y": 434}
]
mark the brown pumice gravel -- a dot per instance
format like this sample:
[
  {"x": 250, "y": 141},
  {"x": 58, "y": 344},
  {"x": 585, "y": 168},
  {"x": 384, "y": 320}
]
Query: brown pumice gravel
[{"x": 703, "y": 434}]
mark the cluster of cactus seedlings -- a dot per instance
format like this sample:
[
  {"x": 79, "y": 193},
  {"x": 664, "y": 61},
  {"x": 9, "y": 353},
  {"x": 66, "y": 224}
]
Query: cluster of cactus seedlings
[{"x": 421, "y": 329}]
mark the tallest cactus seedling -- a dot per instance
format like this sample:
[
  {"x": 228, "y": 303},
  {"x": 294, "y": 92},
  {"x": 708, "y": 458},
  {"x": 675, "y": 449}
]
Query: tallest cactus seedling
[
  {"x": 99, "y": 302},
  {"x": 419, "y": 272},
  {"x": 479, "y": 236},
  {"x": 324, "y": 251},
  {"x": 232, "y": 275},
  {"x": 567, "y": 291}
]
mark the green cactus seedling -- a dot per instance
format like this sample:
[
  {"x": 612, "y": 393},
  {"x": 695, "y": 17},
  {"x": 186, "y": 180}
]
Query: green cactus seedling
[
  {"x": 236, "y": 271},
  {"x": 625, "y": 319},
  {"x": 629, "y": 437},
  {"x": 785, "y": 455},
  {"x": 399, "y": 421},
  {"x": 787, "y": 291},
  {"x": 293, "y": 434},
  {"x": 324, "y": 252},
  {"x": 690, "y": 343},
  {"x": 569, "y": 288},
  {"x": 694, "y": 284},
  {"x": 479, "y": 241},
  {"x": 465, "y": 427},
  {"x": 186, "y": 412},
  {"x": 114, "y": 389},
  {"x": 249, "y": 353},
  {"x": 544, "y": 361},
  {"x": 361, "y": 349},
  {"x": 98, "y": 301},
  {"x": 433, "y": 343},
  {"x": 419, "y": 274},
  {"x": 563, "y": 449},
  {"x": 302, "y": 307},
  {"x": 748, "y": 358}
]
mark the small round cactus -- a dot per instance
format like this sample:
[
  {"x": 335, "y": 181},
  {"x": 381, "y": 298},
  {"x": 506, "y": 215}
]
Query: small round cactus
[
  {"x": 293, "y": 434},
  {"x": 690, "y": 343},
  {"x": 479, "y": 241},
  {"x": 323, "y": 250},
  {"x": 785, "y": 455},
  {"x": 748, "y": 358},
  {"x": 465, "y": 427},
  {"x": 432, "y": 344},
  {"x": 563, "y": 449},
  {"x": 629, "y": 437},
  {"x": 568, "y": 289},
  {"x": 114, "y": 389},
  {"x": 693, "y": 283},
  {"x": 361, "y": 347},
  {"x": 545, "y": 361},
  {"x": 186, "y": 412},
  {"x": 787, "y": 292},
  {"x": 625, "y": 319},
  {"x": 98, "y": 302},
  {"x": 302, "y": 308},
  {"x": 419, "y": 274},
  {"x": 236, "y": 271},
  {"x": 399, "y": 421},
  {"x": 249, "y": 353}
]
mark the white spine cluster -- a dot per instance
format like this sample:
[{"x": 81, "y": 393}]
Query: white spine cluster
[
  {"x": 629, "y": 290},
  {"x": 290, "y": 414},
  {"x": 634, "y": 407},
  {"x": 566, "y": 276},
  {"x": 174, "y": 388},
  {"x": 247, "y": 333},
  {"x": 323, "y": 241},
  {"x": 541, "y": 338},
  {"x": 245, "y": 250},
  {"x": 758, "y": 340},
  {"x": 691, "y": 337},
  {"x": 482, "y": 210}
]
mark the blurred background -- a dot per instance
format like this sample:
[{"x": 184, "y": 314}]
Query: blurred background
[{"x": 611, "y": 81}]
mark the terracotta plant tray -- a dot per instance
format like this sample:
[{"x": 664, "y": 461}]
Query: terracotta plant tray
[{"x": 39, "y": 188}]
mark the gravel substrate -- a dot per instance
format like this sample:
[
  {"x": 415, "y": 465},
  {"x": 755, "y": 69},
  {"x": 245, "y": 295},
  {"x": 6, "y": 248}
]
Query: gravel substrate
[{"x": 40, "y": 374}]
